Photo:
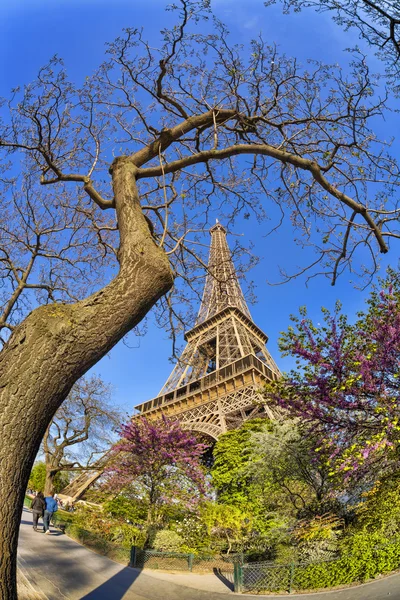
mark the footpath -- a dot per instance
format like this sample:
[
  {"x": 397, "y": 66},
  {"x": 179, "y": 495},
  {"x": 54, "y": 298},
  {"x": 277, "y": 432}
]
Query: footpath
[{"x": 61, "y": 569}]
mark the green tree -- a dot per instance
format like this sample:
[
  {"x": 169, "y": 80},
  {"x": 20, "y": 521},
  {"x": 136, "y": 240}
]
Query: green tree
[
  {"x": 379, "y": 510},
  {"x": 126, "y": 508},
  {"x": 37, "y": 479},
  {"x": 237, "y": 485},
  {"x": 232, "y": 453},
  {"x": 284, "y": 455}
]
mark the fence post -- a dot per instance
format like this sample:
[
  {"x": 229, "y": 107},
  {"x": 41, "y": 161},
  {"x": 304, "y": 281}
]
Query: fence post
[
  {"x": 190, "y": 561},
  {"x": 132, "y": 562},
  {"x": 291, "y": 577},
  {"x": 237, "y": 577}
]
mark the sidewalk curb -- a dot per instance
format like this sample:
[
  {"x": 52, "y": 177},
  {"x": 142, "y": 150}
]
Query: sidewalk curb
[{"x": 36, "y": 593}]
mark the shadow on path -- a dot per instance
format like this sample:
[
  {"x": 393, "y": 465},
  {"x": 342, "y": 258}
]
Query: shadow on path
[
  {"x": 115, "y": 587},
  {"x": 66, "y": 570},
  {"x": 222, "y": 577},
  {"x": 53, "y": 530}
]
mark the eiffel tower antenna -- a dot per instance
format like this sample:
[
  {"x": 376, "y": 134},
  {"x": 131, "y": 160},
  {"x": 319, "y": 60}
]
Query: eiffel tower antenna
[{"x": 216, "y": 382}]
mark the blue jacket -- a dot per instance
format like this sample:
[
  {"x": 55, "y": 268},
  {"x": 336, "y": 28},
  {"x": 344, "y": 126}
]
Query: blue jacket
[{"x": 51, "y": 504}]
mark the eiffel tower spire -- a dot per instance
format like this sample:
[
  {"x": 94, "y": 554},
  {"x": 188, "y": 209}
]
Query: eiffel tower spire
[
  {"x": 222, "y": 287},
  {"x": 224, "y": 347}
]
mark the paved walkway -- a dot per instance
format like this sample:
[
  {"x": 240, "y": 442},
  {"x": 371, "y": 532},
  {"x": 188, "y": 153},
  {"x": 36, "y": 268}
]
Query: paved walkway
[{"x": 64, "y": 570}]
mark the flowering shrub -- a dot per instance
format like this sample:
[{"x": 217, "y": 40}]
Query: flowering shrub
[{"x": 193, "y": 532}]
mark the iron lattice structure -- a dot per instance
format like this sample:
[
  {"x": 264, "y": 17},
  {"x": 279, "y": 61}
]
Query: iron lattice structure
[{"x": 216, "y": 383}]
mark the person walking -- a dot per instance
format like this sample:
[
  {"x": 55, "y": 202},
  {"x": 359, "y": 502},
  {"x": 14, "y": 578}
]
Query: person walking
[
  {"x": 50, "y": 508},
  {"x": 38, "y": 505}
]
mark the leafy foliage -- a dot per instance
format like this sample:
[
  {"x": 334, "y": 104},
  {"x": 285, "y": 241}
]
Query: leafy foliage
[
  {"x": 126, "y": 508},
  {"x": 37, "y": 479},
  {"x": 167, "y": 540},
  {"x": 193, "y": 530},
  {"x": 317, "y": 538},
  {"x": 380, "y": 509},
  {"x": 231, "y": 454},
  {"x": 282, "y": 455},
  {"x": 228, "y": 526},
  {"x": 128, "y": 535}
]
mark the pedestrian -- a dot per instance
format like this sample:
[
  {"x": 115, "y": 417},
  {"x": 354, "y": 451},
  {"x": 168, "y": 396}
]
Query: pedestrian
[
  {"x": 38, "y": 505},
  {"x": 50, "y": 509}
]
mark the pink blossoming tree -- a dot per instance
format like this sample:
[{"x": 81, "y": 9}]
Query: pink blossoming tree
[
  {"x": 159, "y": 463},
  {"x": 347, "y": 383}
]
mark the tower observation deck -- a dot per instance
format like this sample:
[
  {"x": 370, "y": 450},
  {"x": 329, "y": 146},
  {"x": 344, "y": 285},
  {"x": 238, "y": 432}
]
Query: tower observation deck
[{"x": 216, "y": 382}]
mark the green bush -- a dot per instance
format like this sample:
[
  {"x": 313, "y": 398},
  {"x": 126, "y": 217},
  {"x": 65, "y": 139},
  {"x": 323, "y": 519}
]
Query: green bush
[
  {"x": 167, "y": 540},
  {"x": 193, "y": 532},
  {"x": 127, "y": 535},
  {"x": 364, "y": 556},
  {"x": 125, "y": 508},
  {"x": 37, "y": 479}
]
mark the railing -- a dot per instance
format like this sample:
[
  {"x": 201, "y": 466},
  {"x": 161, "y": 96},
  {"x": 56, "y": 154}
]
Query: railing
[
  {"x": 236, "y": 368},
  {"x": 179, "y": 561},
  {"x": 264, "y": 577}
]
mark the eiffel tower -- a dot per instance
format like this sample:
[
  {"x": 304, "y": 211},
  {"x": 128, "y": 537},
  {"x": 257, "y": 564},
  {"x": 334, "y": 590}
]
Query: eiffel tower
[{"x": 215, "y": 385}]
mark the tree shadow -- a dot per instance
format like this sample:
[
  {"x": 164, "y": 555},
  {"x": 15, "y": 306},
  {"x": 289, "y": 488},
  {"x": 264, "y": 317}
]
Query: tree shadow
[
  {"x": 228, "y": 581},
  {"x": 116, "y": 587}
]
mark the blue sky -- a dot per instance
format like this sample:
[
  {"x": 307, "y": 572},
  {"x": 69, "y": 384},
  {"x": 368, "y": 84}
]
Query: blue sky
[{"x": 31, "y": 31}]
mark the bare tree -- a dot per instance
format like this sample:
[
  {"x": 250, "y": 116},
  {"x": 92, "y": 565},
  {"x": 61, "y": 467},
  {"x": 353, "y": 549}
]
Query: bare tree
[
  {"x": 378, "y": 22},
  {"x": 157, "y": 139},
  {"x": 81, "y": 431}
]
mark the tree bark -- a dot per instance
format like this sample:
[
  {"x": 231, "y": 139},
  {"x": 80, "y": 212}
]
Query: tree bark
[
  {"x": 49, "y": 482},
  {"x": 56, "y": 344}
]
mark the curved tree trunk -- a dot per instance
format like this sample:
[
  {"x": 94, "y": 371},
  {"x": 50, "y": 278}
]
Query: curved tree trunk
[
  {"x": 49, "y": 481},
  {"x": 57, "y": 344}
]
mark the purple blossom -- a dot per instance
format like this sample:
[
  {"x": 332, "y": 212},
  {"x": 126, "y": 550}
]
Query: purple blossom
[
  {"x": 348, "y": 382},
  {"x": 161, "y": 461}
]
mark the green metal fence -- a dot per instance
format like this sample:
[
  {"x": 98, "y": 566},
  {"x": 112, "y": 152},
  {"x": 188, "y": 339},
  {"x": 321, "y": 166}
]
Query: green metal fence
[
  {"x": 178, "y": 561},
  {"x": 270, "y": 577},
  {"x": 265, "y": 576},
  {"x": 262, "y": 577}
]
